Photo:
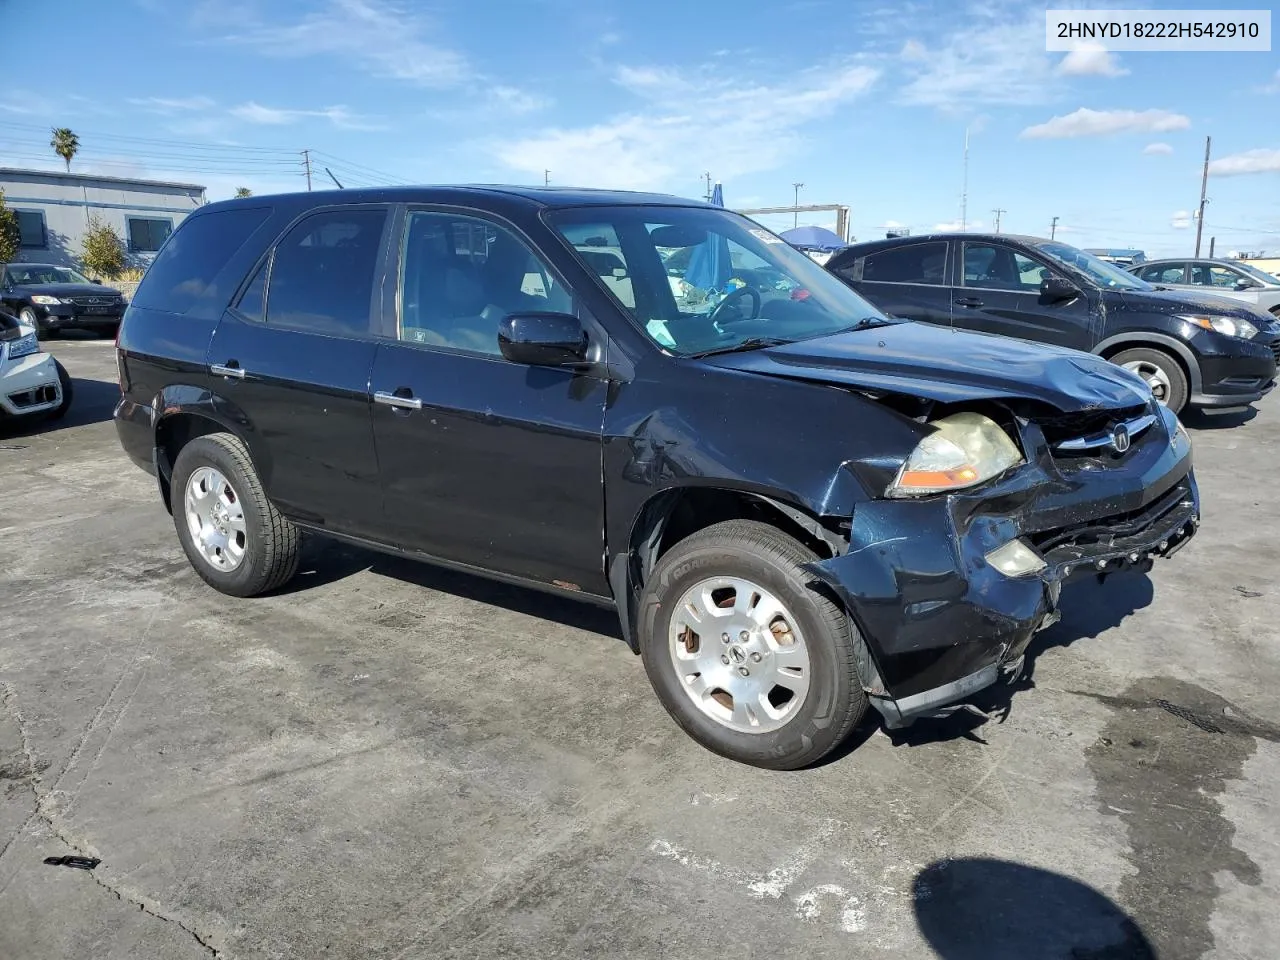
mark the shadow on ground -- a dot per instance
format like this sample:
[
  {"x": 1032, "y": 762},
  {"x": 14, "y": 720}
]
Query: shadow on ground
[
  {"x": 980, "y": 909},
  {"x": 1217, "y": 419},
  {"x": 92, "y": 401}
]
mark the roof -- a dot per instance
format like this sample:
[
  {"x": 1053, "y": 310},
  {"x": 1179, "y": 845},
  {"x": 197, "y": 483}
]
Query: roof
[
  {"x": 99, "y": 178},
  {"x": 917, "y": 238},
  {"x": 539, "y": 196}
]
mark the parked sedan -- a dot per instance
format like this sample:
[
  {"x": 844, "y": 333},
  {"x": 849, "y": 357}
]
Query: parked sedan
[
  {"x": 1226, "y": 278},
  {"x": 799, "y": 507},
  {"x": 51, "y": 299},
  {"x": 33, "y": 384},
  {"x": 1194, "y": 350}
]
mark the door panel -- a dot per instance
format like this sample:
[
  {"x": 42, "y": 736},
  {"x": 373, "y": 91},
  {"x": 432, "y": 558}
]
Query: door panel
[
  {"x": 999, "y": 293},
  {"x": 483, "y": 461}
]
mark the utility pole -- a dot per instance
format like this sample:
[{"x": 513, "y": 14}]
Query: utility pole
[
  {"x": 1212, "y": 241},
  {"x": 306, "y": 164},
  {"x": 964, "y": 188},
  {"x": 997, "y": 211},
  {"x": 1053, "y": 228},
  {"x": 1204, "y": 186},
  {"x": 796, "y": 221},
  {"x": 707, "y": 195},
  {"x": 546, "y": 178}
]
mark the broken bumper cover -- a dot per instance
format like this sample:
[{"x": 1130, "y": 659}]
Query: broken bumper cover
[{"x": 938, "y": 622}]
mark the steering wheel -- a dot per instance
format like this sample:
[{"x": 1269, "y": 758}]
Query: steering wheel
[{"x": 737, "y": 295}]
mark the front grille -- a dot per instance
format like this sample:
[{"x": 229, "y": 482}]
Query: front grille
[
  {"x": 1275, "y": 350},
  {"x": 95, "y": 301},
  {"x": 1115, "y": 526},
  {"x": 1086, "y": 423}
]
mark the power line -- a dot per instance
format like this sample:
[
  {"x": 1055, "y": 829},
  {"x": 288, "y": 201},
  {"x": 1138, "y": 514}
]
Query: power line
[
  {"x": 997, "y": 211},
  {"x": 193, "y": 144}
]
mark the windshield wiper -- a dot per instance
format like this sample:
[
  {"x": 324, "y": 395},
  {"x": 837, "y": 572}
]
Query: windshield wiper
[{"x": 751, "y": 343}]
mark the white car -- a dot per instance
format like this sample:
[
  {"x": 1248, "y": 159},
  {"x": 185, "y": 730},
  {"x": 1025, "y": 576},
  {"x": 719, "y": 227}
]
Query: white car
[{"x": 33, "y": 385}]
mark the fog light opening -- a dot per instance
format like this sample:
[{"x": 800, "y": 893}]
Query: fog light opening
[{"x": 1016, "y": 559}]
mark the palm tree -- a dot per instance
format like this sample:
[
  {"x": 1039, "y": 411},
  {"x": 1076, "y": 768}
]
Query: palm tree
[
  {"x": 243, "y": 192},
  {"x": 65, "y": 144}
]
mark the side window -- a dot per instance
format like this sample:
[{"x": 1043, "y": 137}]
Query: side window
[
  {"x": 31, "y": 231},
  {"x": 323, "y": 270},
  {"x": 183, "y": 274},
  {"x": 1224, "y": 277},
  {"x": 460, "y": 276},
  {"x": 993, "y": 266},
  {"x": 912, "y": 263},
  {"x": 1162, "y": 273},
  {"x": 147, "y": 235},
  {"x": 253, "y": 302}
]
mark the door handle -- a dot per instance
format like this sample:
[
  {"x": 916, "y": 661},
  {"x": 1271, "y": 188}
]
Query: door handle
[
  {"x": 968, "y": 302},
  {"x": 228, "y": 369},
  {"x": 393, "y": 400}
]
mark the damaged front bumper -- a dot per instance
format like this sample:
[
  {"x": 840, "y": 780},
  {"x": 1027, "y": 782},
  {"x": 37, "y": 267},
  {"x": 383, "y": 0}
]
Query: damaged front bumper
[{"x": 938, "y": 622}]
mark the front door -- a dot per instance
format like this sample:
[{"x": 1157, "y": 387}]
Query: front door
[
  {"x": 293, "y": 357},
  {"x": 483, "y": 461},
  {"x": 998, "y": 291}
]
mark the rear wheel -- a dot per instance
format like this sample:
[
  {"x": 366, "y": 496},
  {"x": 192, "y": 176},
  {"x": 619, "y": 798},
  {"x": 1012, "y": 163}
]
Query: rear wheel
[
  {"x": 1161, "y": 371},
  {"x": 233, "y": 536},
  {"x": 751, "y": 661}
]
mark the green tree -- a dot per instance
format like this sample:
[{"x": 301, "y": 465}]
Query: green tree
[
  {"x": 65, "y": 144},
  {"x": 10, "y": 235},
  {"x": 103, "y": 250},
  {"x": 243, "y": 192}
]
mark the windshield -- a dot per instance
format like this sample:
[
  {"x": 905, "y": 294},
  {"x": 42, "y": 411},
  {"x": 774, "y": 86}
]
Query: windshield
[
  {"x": 1260, "y": 275},
  {"x": 35, "y": 273},
  {"x": 1106, "y": 275},
  {"x": 700, "y": 280}
]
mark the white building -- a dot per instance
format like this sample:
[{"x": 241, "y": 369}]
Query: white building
[{"x": 55, "y": 208}]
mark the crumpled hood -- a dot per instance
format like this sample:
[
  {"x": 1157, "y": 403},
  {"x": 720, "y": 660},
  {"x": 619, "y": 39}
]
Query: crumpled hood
[
  {"x": 68, "y": 289},
  {"x": 1188, "y": 301},
  {"x": 948, "y": 366}
]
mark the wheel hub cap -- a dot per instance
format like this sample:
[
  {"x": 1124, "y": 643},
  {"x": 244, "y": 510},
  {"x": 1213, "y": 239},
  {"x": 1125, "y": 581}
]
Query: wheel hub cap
[
  {"x": 739, "y": 654},
  {"x": 1155, "y": 377},
  {"x": 215, "y": 519}
]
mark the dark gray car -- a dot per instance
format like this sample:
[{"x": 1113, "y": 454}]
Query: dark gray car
[
  {"x": 1226, "y": 278},
  {"x": 53, "y": 298}
]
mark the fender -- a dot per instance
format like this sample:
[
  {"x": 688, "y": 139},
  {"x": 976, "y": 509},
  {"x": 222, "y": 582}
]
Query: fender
[
  {"x": 1144, "y": 338},
  {"x": 185, "y": 399}
]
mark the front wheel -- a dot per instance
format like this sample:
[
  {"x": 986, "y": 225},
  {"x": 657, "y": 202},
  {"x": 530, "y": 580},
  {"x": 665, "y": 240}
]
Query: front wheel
[
  {"x": 232, "y": 534},
  {"x": 68, "y": 393},
  {"x": 28, "y": 316},
  {"x": 1163, "y": 374},
  {"x": 751, "y": 661}
]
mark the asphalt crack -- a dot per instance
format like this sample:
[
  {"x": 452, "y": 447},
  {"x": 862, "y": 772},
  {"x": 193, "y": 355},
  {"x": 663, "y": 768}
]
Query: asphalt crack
[{"x": 43, "y": 811}]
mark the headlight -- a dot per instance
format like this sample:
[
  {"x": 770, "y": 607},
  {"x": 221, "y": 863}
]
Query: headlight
[
  {"x": 23, "y": 346},
  {"x": 41, "y": 299},
  {"x": 1230, "y": 326},
  {"x": 965, "y": 449}
]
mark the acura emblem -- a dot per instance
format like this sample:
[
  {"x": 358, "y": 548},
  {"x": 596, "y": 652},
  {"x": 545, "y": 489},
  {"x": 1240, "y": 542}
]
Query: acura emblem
[{"x": 1120, "y": 438}]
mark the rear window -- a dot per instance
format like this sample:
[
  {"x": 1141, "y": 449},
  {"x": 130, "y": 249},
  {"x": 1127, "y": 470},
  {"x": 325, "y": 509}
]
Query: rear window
[{"x": 183, "y": 274}]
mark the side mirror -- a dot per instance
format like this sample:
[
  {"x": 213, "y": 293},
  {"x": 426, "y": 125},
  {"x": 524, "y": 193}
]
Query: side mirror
[
  {"x": 542, "y": 339},
  {"x": 97, "y": 281},
  {"x": 1057, "y": 289},
  {"x": 1245, "y": 284}
]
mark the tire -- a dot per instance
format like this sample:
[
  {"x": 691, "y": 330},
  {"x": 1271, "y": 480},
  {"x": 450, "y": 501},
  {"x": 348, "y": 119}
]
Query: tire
[
  {"x": 263, "y": 544},
  {"x": 107, "y": 333},
  {"x": 1161, "y": 371},
  {"x": 765, "y": 559},
  {"x": 68, "y": 393},
  {"x": 28, "y": 316}
]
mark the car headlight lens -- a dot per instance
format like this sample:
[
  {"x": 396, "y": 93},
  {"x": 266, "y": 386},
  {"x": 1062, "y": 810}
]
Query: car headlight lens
[
  {"x": 965, "y": 449},
  {"x": 45, "y": 301},
  {"x": 1231, "y": 326},
  {"x": 23, "y": 346}
]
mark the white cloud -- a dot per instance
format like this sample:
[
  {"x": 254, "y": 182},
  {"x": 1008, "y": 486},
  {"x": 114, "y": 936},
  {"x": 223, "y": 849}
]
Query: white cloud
[
  {"x": 997, "y": 58},
  {"x": 1095, "y": 123},
  {"x": 1251, "y": 161},
  {"x": 954, "y": 226},
  {"x": 1180, "y": 220},
  {"x": 172, "y": 104},
  {"x": 339, "y": 116},
  {"x": 701, "y": 120},
  {"x": 1091, "y": 60},
  {"x": 1157, "y": 149},
  {"x": 892, "y": 225},
  {"x": 383, "y": 37},
  {"x": 516, "y": 100},
  {"x": 1273, "y": 86}
]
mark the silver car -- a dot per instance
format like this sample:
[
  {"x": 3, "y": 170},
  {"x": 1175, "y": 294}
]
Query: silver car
[{"x": 1226, "y": 278}]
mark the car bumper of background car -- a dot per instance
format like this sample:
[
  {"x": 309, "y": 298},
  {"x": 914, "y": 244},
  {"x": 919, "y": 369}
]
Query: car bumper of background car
[
  {"x": 29, "y": 386},
  {"x": 940, "y": 622},
  {"x": 1235, "y": 372},
  {"x": 70, "y": 316}
]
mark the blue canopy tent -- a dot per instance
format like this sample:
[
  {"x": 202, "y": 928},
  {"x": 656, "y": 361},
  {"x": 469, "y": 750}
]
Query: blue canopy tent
[
  {"x": 813, "y": 238},
  {"x": 709, "y": 264}
]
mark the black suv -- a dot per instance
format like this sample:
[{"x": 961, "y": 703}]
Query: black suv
[
  {"x": 1192, "y": 349},
  {"x": 53, "y": 298},
  {"x": 797, "y": 505}
]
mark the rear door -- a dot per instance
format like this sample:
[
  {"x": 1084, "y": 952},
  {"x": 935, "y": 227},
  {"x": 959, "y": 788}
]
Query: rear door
[
  {"x": 999, "y": 292},
  {"x": 905, "y": 280},
  {"x": 1164, "y": 274},
  {"x": 293, "y": 356},
  {"x": 483, "y": 461}
]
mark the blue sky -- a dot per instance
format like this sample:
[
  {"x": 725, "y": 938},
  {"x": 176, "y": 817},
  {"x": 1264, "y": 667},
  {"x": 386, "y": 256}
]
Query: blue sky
[{"x": 864, "y": 101}]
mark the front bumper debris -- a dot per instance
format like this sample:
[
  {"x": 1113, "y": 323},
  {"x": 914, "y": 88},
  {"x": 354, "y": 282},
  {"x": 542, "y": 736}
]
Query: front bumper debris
[{"x": 939, "y": 623}]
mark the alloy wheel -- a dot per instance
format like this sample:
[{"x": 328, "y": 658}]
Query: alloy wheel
[{"x": 215, "y": 519}]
